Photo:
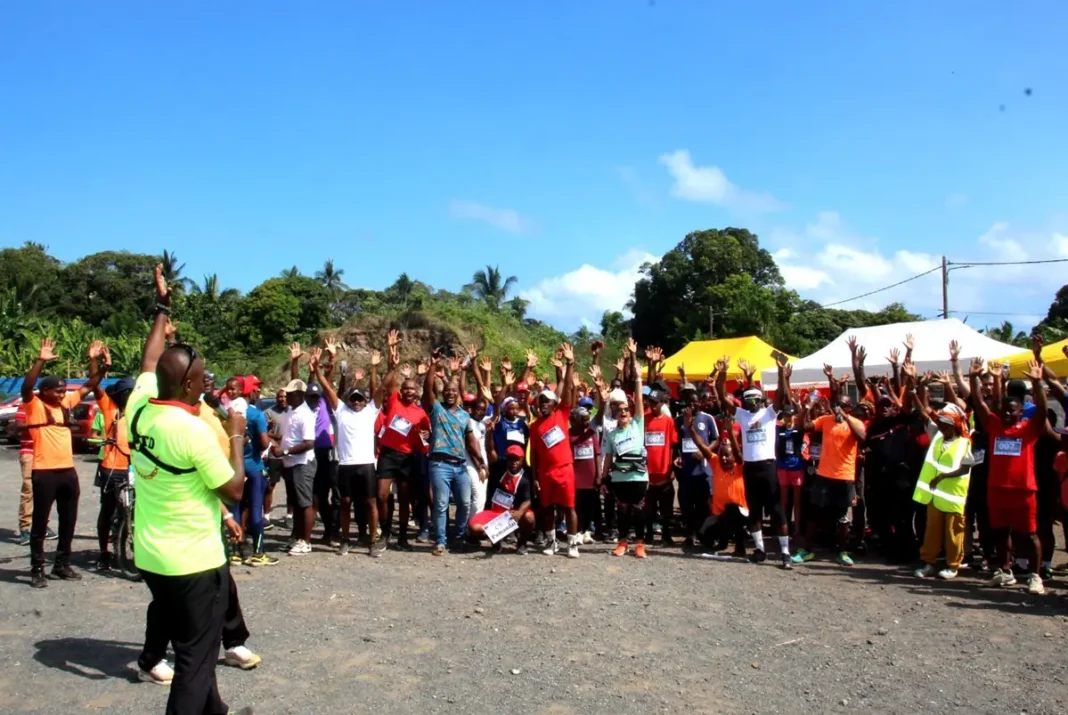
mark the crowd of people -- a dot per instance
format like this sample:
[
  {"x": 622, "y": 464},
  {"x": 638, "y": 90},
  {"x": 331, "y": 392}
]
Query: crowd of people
[{"x": 938, "y": 470}]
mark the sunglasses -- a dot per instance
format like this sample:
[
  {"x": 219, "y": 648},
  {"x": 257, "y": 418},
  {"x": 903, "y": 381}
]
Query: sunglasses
[{"x": 192, "y": 353}]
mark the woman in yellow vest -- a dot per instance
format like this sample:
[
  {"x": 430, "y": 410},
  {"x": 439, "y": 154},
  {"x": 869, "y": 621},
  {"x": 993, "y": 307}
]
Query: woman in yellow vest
[{"x": 943, "y": 487}]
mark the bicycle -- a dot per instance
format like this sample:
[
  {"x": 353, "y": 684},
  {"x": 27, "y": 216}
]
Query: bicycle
[{"x": 122, "y": 528}]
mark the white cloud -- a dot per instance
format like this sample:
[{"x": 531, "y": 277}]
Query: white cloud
[
  {"x": 505, "y": 219},
  {"x": 581, "y": 296},
  {"x": 708, "y": 184},
  {"x": 1060, "y": 245}
]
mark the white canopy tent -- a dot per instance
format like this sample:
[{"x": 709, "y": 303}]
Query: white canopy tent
[{"x": 931, "y": 338}]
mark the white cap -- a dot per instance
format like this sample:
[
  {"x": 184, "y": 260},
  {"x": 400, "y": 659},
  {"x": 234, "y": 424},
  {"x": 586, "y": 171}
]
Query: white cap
[
  {"x": 617, "y": 395},
  {"x": 549, "y": 395}
]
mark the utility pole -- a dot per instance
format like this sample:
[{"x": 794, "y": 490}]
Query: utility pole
[
  {"x": 945, "y": 288},
  {"x": 711, "y": 323}
]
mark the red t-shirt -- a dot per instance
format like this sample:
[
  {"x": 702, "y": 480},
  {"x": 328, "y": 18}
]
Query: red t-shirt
[
  {"x": 549, "y": 440},
  {"x": 660, "y": 438},
  {"x": 1012, "y": 454},
  {"x": 585, "y": 449},
  {"x": 401, "y": 426}
]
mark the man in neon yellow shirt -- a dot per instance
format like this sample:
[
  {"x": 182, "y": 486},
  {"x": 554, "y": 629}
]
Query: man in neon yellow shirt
[{"x": 180, "y": 477}]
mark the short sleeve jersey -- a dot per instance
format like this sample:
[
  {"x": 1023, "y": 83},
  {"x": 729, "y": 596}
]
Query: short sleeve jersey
[
  {"x": 449, "y": 430},
  {"x": 693, "y": 462},
  {"x": 1011, "y": 454},
  {"x": 585, "y": 449},
  {"x": 838, "y": 458},
  {"x": 255, "y": 425},
  {"x": 660, "y": 440},
  {"x": 623, "y": 441},
  {"x": 52, "y": 445},
  {"x": 758, "y": 433},
  {"x": 177, "y": 514},
  {"x": 117, "y": 445},
  {"x": 401, "y": 425},
  {"x": 549, "y": 440}
]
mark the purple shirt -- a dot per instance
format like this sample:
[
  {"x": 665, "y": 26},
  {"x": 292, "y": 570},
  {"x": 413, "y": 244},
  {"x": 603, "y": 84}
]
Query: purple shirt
[{"x": 322, "y": 427}]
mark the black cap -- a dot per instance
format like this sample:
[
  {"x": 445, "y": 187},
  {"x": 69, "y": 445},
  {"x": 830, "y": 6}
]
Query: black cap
[
  {"x": 356, "y": 392},
  {"x": 314, "y": 389}
]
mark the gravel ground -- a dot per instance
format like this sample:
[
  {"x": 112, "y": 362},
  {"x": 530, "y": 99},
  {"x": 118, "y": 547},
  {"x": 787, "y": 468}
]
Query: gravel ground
[{"x": 413, "y": 633}]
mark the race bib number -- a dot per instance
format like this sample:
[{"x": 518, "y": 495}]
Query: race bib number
[
  {"x": 500, "y": 527},
  {"x": 789, "y": 448},
  {"x": 979, "y": 455},
  {"x": 624, "y": 444},
  {"x": 400, "y": 425},
  {"x": 553, "y": 437},
  {"x": 1008, "y": 446},
  {"x": 689, "y": 446},
  {"x": 655, "y": 439},
  {"x": 755, "y": 436},
  {"x": 514, "y": 435},
  {"x": 503, "y": 499},
  {"x": 584, "y": 451},
  {"x": 815, "y": 450}
]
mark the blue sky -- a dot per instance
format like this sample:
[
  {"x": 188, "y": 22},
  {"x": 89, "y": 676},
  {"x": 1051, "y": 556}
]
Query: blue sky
[{"x": 564, "y": 141}]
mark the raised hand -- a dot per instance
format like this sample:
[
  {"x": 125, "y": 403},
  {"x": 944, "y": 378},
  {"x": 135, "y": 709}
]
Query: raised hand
[
  {"x": 1037, "y": 342},
  {"x": 96, "y": 349},
  {"x": 163, "y": 295},
  {"x": 843, "y": 378},
  {"x": 954, "y": 351},
  {"x": 995, "y": 367},
  {"x": 532, "y": 359},
  {"x": 632, "y": 346},
  {"x": 376, "y": 358},
  {"x": 331, "y": 345},
  {"x": 557, "y": 360},
  {"x": 454, "y": 364},
  {"x": 861, "y": 355},
  {"x": 976, "y": 368},
  {"x": 170, "y": 329},
  {"x": 828, "y": 371},
  {"x": 723, "y": 363},
  {"x": 406, "y": 371},
  {"x": 486, "y": 364},
  {"x": 294, "y": 351},
  {"x": 472, "y": 351},
  {"x": 313, "y": 361},
  {"x": 506, "y": 364},
  {"x": 909, "y": 368},
  {"x": 1034, "y": 370},
  {"x": 909, "y": 343},
  {"x": 894, "y": 356},
  {"x": 567, "y": 352},
  {"x": 393, "y": 339},
  {"x": 106, "y": 353},
  {"x": 595, "y": 372},
  {"x": 508, "y": 377},
  {"x": 619, "y": 365},
  {"x": 788, "y": 371},
  {"x": 650, "y": 353},
  {"x": 47, "y": 352},
  {"x": 851, "y": 341},
  {"x": 358, "y": 374}
]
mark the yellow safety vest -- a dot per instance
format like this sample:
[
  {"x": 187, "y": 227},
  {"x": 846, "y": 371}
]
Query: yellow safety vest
[{"x": 949, "y": 495}]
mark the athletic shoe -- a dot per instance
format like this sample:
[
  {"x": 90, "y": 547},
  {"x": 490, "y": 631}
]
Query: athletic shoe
[
  {"x": 403, "y": 545},
  {"x": 587, "y": 537},
  {"x": 64, "y": 572},
  {"x": 24, "y": 538},
  {"x": 621, "y": 549},
  {"x": 38, "y": 580},
  {"x": 289, "y": 545},
  {"x": 103, "y": 561},
  {"x": 573, "y": 546},
  {"x": 844, "y": 559},
  {"x": 51, "y": 535},
  {"x": 1002, "y": 578},
  {"x": 550, "y": 548},
  {"x": 439, "y": 550},
  {"x": 786, "y": 562},
  {"x": 241, "y": 657},
  {"x": 267, "y": 525},
  {"x": 343, "y": 550},
  {"x": 300, "y": 548},
  {"x": 613, "y": 535},
  {"x": 422, "y": 537},
  {"x": 947, "y": 574},
  {"x": 161, "y": 674},
  {"x": 667, "y": 541},
  {"x": 802, "y": 556},
  {"x": 521, "y": 548},
  {"x": 926, "y": 571},
  {"x": 687, "y": 545},
  {"x": 639, "y": 551},
  {"x": 1046, "y": 573},
  {"x": 289, "y": 521},
  {"x": 260, "y": 560},
  {"x": 236, "y": 558},
  {"x": 1034, "y": 585},
  {"x": 758, "y": 556}
]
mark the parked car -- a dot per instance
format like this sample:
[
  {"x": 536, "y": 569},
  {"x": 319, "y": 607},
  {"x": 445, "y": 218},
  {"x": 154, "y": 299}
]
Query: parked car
[
  {"x": 7, "y": 419},
  {"x": 82, "y": 416}
]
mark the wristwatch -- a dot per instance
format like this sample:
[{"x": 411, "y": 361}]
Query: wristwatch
[{"x": 285, "y": 452}]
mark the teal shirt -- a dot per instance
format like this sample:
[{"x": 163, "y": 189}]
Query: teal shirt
[{"x": 628, "y": 440}]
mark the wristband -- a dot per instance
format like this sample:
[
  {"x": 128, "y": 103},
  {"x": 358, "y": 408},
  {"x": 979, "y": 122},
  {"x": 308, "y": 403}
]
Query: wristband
[
  {"x": 162, "y": 309},
  {"x": 237, "y": 436}
]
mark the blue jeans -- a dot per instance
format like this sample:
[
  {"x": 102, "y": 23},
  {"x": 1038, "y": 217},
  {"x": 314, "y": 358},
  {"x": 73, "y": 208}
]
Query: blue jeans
[
  {"x": 252, "y": 499},
  {"x": 445, "y": 477}
]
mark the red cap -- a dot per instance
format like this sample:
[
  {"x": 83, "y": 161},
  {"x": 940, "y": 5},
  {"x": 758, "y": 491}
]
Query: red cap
[
  {"x": 249, "y": 383},
  {"x": 522, "y": 387},
  {"x": 468, "y": 397},
  {"x": 514, "y": 450}
]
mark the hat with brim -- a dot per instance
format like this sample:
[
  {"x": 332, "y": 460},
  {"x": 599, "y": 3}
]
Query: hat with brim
[
  {"x": 296, "y": 386},
  {"x": 548, "y": 395}
]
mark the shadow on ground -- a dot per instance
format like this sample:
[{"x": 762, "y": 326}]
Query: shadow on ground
[{"x": 90, "y": 658}]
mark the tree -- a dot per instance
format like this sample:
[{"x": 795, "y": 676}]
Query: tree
[
  {"x": 401, "y": 290},
  {"x": 1005, "y": 333},
  {"x": 172, "y": 272},
  {"x": 614, "y": 327},
  {"x": 488, "y": 286},
  {"x": 1054, "y": 326},
  {"x": 31, "y": 275},
  {"x": 100, "y": 285},
  {"x": 518, "y": 306},
  {"x": 673, "y": 297},
  {"x": 290, "y": 272},
  {"x": 331, "y": 277},
  {"x": 210, "y": 289}
]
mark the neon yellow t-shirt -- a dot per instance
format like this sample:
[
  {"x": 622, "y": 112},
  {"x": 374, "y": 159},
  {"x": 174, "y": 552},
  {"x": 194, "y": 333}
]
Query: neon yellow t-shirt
[{"x": 177, "y": 515}]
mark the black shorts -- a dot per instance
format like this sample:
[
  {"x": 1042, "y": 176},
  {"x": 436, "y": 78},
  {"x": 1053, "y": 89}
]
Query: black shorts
[
  {"x": 303, "y": 480},
  {"x": 274, "y": 471},
  {"x": 761, "y": 480},
  {"x": 832, "y": 498},
  {"x": 629, "y": 493},
  {"x": 398, "y": 466},
  {"x": 109, "y": 479},
  {"x": 357, "y": 481}
]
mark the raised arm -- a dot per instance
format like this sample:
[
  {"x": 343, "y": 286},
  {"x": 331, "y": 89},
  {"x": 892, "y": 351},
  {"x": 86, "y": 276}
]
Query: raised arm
[
  {"x": 1048, "y": 376},
  {"x": 389, "y": 384},
  {"x": 958, "y": 377},
  {"x": 96, "y": 372},
  {"x": 430, "y": 384},
  {"x": 294, "y": 361},
  {"x": 857, "y": 354},
  {"x": 105, "y": 368},
  {"x": 747, "y": 372},
  {"x": 982, "y": 411},
  {"x": 317, "y": 373},
  {"x": 639, "y": 401},
  {"x": 1034, "y": 374},
  {"x": 721, "y": 381},
  {"x": 45, "y": 355},
  {"x": 784, "y": 386},
  {"x": 831, "y": 383},
  {"x": 567, "y": 381},
  {"x": 529, "y": 376},
  {"x": 374, "y": 385},
  {"x": 895, "y": 371},
  {"x": 155, "y": 344}
]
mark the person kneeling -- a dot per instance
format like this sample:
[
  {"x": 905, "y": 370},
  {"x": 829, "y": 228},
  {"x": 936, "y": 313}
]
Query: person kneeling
[{"x": 508, "y": 492}]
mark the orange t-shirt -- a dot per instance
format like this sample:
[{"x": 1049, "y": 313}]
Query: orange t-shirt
[
  {"x": 728, "y": 487},
  {"x": 116, "y": 456},
  {"x": 52, "y": 445},
  {"x": 838, "y": 459}
]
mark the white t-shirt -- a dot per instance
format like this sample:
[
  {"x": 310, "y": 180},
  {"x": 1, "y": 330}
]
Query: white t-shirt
[
  {"x": 758, "y": 445},
  {"x": 479, "y": 428},
  {"x": 356, "y": 434},
  {"x": 299, "y": 428}
]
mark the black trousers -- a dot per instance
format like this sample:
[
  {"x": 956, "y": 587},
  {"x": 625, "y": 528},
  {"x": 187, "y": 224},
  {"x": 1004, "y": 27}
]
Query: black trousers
[
  {"x": 324, "y": 486},
  {"x": 694, "y": 492},
  {"x": 659, "y": 498},
  {"x": 59, "y": 487},
  {"x": 588, "y": 505},
  {"x": 188, "y": 612}
]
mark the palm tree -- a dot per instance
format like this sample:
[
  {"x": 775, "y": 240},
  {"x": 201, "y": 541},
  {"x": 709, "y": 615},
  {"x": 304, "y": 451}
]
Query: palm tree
[
  {"x": 1005, "y": 333},
  {"x": 211, "y": 290},
  {"x": 288, "y": 273},
  {"x": 172, "y": 272},
  {"x": 331, "y": 277},
  {"x": 518, "y": 306},
  {"x": 402, "y": 288},
  {"x": 488, "y": 286}
]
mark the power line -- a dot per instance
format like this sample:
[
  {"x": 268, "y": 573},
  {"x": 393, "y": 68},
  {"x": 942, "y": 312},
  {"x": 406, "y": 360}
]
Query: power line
[
  {"x": 980, "y": 312},
  {"x": 880, "y": 290},
  {"x": 969, "y": 264}
]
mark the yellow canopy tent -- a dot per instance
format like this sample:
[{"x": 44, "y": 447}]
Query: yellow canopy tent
[
  {"x": 699, "y": 358},
  {"x": 1052, "y": 355}
]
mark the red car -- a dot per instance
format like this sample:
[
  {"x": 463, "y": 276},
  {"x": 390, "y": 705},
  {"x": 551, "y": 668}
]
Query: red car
[{"x": 82, "y": 416}]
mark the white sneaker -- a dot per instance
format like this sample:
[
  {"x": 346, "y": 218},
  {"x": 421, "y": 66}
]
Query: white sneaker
[
  {"x": 947, "y": 574},
  {"x": 926, "y": 572},
  {"x": 1002, "y": 579},
  {"x": 587, "y": 537},
  {"x": 1034, "y": 585},
  {"x": 241, "y": 657},
  {"x": 550, "y": 549},
  {"x": 301, "y": 547},
  {"x": 572, "y": 546},
  {"x": 161, "y": 674}
]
